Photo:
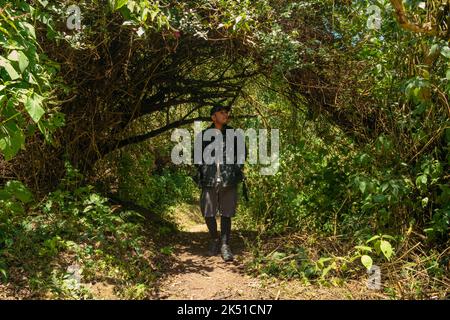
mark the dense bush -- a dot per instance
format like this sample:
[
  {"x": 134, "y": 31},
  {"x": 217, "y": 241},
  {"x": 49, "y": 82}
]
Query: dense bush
[{"x": 72, "y": 232}]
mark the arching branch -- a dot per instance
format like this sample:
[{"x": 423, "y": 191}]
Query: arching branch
[{"x": 117, "y": 144}]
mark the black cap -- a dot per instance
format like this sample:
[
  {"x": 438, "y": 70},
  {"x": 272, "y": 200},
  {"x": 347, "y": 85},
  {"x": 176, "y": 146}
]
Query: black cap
[{"x": 216, "y": 108}]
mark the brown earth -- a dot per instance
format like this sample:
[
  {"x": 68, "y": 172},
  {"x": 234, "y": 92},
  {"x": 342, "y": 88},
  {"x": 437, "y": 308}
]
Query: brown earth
[{"x": 190, "y": 274}]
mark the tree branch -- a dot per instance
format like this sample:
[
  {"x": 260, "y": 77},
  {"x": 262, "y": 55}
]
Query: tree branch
[
  {"x": 400, "y": 13},
  {"x": 109, "y": 147}
]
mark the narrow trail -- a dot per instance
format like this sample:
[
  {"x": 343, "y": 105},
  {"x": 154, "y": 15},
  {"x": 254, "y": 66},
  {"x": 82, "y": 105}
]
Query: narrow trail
[
  {"x": 191, "y": 274},
  {"x": 194, "y": 275}
]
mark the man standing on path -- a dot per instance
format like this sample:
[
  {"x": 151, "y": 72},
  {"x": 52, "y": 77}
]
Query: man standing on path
[{"x": 219, "y": 183}]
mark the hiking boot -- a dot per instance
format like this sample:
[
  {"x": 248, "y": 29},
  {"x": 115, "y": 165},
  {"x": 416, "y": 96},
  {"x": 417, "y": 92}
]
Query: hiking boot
[
  {"x": 213, "y": 247},
  {"x": 226, "y": 253}
]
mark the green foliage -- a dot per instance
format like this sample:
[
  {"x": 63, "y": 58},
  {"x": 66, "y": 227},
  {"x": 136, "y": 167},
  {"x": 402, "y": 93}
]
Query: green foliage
[
  {"x": 75, "y": 224},
  {"x": 28, "y": 80},
  {"x": 156, "y": 191},
  {"x": 376, "y": 245},
  {"x": 167, "y": 250},
  {"x": 287, "y": 264},
  {"x": 364, "y": 140},
  {"x": 13, "y": 199},
  {"x": 332, "y": 183}
]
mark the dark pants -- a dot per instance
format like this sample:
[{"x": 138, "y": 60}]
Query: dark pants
[
  {"x": 219, "y": 199},
  {"x": 222, "y": 200}
]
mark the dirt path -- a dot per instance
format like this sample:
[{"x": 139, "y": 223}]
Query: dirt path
[
  {"x": 191, "y": 274},
  {"x": 194, "y": 275}
]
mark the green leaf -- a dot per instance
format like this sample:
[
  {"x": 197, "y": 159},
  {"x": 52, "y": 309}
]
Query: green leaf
[
  {"x": 4, "y": 195},
  {"x": 3, "y": 272},
  {"x": 362, "y": 186},
  {"x": 446, "y": 52},
  {"x": 31, "y": 79},
  {"x": 12, "y": 141},
  {"x": 386, "y": 248},
  {"x": 434, "y": 49},
  {"x": 119, "y": 4},
  {"x": 373, "y": 238},
  {"x": 19, "y": 191},
  {"x": 328, "y": 268},
  {"x": 23, "y": 61},
  {"x": 364, "y": 248},
  {"x": 33, "y": 105},
  {"x": 9, "y": 68},
  {"x": 366, "y": 261},
  {"x": 448, "y": 74},
  {"x": 421, "y": 180},
  {"x": 43, "y": 2},
  {"x": 13, "y": 56},
  {"x": 379, "y": 198},
  {"x": 168, "y": 250},
  {"x": 153, "y": 14},
  {"x": 386, "y": 236},
  {"x": 29, "y": 28}
]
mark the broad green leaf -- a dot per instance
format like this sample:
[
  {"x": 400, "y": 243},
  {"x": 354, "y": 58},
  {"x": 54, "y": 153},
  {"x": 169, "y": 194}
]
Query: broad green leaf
[
  {"x": 446, "y": 52},
  {"x": 386, "y": 248},
  {"x": 9, "y": 69},
  {"x": 376, "y": 246},
  {"x": 119, "y": 4},
  {"x": 11, "y": 143},
  {"x": 13, "y": 56},
  {"x": 33, "y": 105},
  {"x": 366, "y": 261},
  {"x": 23, "y": 61},
  {"x": 29, "y": 28}
]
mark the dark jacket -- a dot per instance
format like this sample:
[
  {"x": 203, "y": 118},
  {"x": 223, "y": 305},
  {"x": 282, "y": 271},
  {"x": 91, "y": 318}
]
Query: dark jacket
[{"x": 231, "y": 173}]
